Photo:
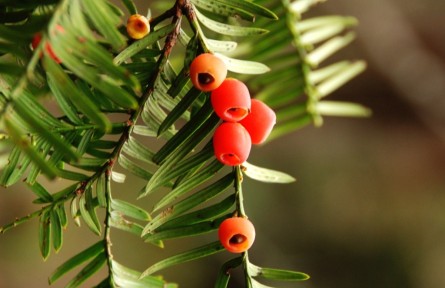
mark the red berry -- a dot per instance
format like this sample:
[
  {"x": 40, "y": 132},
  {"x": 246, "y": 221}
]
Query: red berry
[
  {"x": 236, "y": 234},
  {"x": 231, "y": 143},
  {"x": 207, "y": 72},
  {"x": 259, "y": 122},
  {"x": 231, "y": 100},
  {"x": 138, "y": 26},
  {"x": 36, "y": 41}
]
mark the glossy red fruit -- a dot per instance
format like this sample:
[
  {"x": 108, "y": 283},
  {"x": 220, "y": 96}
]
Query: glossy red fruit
[
  {"x": 236, "y": 234},
  {"x": 138, "y": 26},
  {"x": 231, "y": 143},
  {"x": 207, "y": 72},
  {"x": 259, "y": 122},
  {"x": 36, "y": 41},
  {"x": 231, "y": 100}
]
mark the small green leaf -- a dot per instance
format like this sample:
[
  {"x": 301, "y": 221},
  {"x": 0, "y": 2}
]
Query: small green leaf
[
  {"x": 65, "y": 104},
  {"x": 301, "y": 6},
  {"x": 142, "y": 44},
  {"x": 107, "y": 85},
  {"x": 188, "y": 185},
  {"x": 223, "y": 277},
  {"x": 144, "y": 131},
  {"x": 179, "y": 109},
  {"x": 100, "y": 191},
  {"x": 41, "y": 192},
  {"x": 130, "y": 210},
  {"x": 75, "y": 261},
  {"x": 181, "y": 85},
  {"x": 243, "y": 66},
  {"x": 329, "y": 48},
  {"x": 56, "y": 230},
  {"x": 101, "y": 14},
  {"x": 190, "y": 53},
  {"x": 321, "y": 34},
  {"x": 85, "y": 141},
  {"x": 88, "y": 212},
  {"x": 136, "y": 149},
  {"x": 131, "y": 7},
  {"x": 13, "y": 160},
  {"x": 251, "y": 7},
  {"x": 314, "y": 22},
  {"x": 88, "y": 271},
  {"x": 340, "y": 108},
  {"x": 222, "y": 9},
  {"x": 134, "y": 168},
  {"x": 220, "y": 46},
  {"x": 186, "y": 166},
  {"x": 187, "y": 131},
  {"x": 226, "y": 29},
  {"x": 62, "y": 215},
  {"x": 45, "y": 234},
  {"x": 266, "y": 175},
  {"x": 204, "y": 214},
  {"x": 71, "y": 175},
  {"x": 118, "y": 177},
  {"x": 129, "y": 278},
  {"x": 180, "y": 152},
  {"x": 193, "y": 254},
  {"x": 73, "y": 207},
  {"x": 190, "y": 202},
  {"x": 118, "y": 222},
  {"x": 185, "y": 231},
  {"x": 339, "y": 79},
  {"x": 23, "y": 142},
  {"x": 321, "y": 74},
  {"x": 276, "y": 274},
  {"x": 64, "y": 85}
]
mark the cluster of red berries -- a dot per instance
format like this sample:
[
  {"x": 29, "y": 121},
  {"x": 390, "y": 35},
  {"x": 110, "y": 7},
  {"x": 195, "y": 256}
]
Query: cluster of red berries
[{"x": 246, "y": 121}]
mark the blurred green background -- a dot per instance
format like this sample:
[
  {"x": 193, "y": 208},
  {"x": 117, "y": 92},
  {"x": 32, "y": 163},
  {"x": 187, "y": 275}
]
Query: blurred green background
[{"x": 368, "y": 209}]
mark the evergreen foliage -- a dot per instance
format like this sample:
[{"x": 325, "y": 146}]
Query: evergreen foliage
[{"x": 114, "y": 95}]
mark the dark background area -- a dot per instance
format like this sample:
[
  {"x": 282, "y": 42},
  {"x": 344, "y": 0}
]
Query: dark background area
[{"x": 368, "y": 209}]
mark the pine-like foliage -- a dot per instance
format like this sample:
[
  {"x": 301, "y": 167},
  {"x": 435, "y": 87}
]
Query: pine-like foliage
[{"x": 112, "y": 99}]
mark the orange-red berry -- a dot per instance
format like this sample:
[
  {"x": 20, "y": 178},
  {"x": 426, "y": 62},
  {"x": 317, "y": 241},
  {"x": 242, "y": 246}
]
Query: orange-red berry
[
  {"x": 259, "y": 122},
  {"x": 49, "y": 50},
  {"x": 137, "y": 26},
  {"x": 231, "y": 100},
  {"x": 231, "y": 143},
  {"x": 236, "y": 234},
  {"x": 207, "y": 72}
]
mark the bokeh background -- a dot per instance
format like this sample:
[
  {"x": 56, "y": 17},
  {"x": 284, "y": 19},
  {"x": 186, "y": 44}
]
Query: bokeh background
[{"x": 368, "y": 209}]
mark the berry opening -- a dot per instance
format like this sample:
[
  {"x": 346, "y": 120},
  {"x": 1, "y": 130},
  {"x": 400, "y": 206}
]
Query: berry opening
[
  {"x": 205, "y": 78},
  {"x": 230, "y": 159},
  {"x": 140, "y": 25},
  {"x": 237, "y": 239},
  {"x": 236, "y": 113}
]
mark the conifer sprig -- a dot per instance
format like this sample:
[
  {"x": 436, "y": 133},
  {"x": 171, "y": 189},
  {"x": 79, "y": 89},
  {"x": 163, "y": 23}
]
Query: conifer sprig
[{"x": 95, "y": 75}]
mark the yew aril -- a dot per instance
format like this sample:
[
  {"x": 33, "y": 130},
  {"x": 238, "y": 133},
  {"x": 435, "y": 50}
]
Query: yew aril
[
  {"x": 259, "y": 122},
  {"x": 138, "y": 26},
  {"x": 236, "y": 234},
  {"x": 231, "y": 143},
  {"x": 231, "y": 100},
  {"x": 207, "y": 72},
  {"x": 49, "y": 50}
]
